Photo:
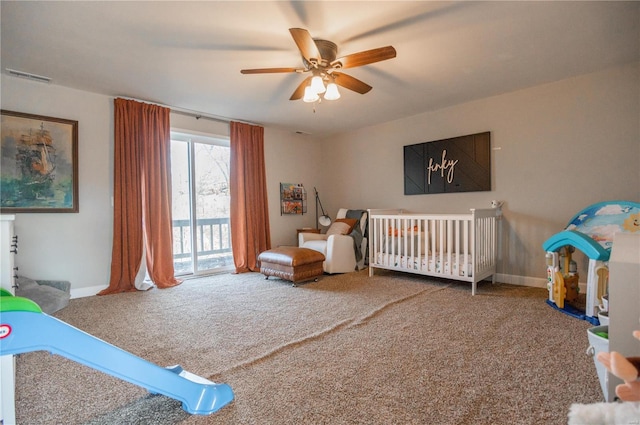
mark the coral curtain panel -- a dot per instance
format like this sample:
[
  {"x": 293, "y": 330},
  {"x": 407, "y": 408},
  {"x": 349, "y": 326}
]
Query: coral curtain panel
[
  {"x": 142, "y": 196},
  {"x": 250, "y": 233}
]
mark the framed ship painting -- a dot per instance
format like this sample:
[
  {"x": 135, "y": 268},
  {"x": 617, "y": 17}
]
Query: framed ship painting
[{"x": 39, "y": 164}]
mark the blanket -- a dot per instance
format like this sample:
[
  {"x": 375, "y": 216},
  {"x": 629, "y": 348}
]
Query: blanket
[{"x": 356, "y": 233}]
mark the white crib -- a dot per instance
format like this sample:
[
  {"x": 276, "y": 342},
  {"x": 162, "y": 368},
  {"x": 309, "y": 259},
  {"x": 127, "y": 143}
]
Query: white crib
[{"x": 451, "y": 246}]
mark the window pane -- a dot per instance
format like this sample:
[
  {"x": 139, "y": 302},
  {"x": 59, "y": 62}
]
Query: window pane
[
  {"x": 182, "y": 237},
  {"x": 212, "y": 206}
]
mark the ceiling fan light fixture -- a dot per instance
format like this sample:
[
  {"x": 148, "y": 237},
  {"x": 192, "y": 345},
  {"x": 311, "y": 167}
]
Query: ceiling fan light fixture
[
  {"x": 332, "y": 92},
  {"x": 310, "y": 95},
  {"x": 317, "y": 84},
  {"x": 319, "y": 59}
]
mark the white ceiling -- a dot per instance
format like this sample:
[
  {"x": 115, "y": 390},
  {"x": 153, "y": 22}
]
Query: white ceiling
[{"x": 189, "y": 54}]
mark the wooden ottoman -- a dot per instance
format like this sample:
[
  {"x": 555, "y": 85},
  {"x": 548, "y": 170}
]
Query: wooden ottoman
[{"x": 291, "y": 263}]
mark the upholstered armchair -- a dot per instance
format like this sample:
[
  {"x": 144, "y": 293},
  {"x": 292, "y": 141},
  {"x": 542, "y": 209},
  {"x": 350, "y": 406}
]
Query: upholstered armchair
[{"x": 339, "y": 243}]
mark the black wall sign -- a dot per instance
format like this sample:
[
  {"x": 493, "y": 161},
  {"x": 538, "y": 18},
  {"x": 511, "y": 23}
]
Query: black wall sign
[{"x": 460, "y": 164}]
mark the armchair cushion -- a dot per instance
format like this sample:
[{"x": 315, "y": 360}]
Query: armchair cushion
[
  {"x": 303, "y": 238},
  {"x": 319, "y": 245}
]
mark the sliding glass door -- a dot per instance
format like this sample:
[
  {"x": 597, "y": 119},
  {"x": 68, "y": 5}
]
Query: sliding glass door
[{"x": 200, "y": 186}]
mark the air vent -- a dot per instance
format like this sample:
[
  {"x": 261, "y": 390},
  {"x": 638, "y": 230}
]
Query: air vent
[{"x": 28, "y": 76}]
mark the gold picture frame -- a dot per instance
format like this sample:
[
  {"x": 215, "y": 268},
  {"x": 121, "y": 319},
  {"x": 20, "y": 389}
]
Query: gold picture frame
[{"x": 38, "y": 164}]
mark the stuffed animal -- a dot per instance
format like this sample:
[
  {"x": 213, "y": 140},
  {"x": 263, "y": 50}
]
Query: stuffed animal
[{"x": 625, "y": 368}]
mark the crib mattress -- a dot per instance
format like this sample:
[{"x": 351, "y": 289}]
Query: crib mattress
[{"x": 431, "y": 264}]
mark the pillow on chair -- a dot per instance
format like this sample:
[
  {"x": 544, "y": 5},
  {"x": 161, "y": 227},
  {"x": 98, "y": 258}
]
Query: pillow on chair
[
  {"x": 360, "y": 215},
  {"x": 339, "y": 228},
  {"x": 350, "y": 221}
]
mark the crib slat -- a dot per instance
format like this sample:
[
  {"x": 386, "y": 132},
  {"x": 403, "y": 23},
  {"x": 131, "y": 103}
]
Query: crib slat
[
  {"x": 465, "y": 250},
  {"x": 434, "y": 245}
]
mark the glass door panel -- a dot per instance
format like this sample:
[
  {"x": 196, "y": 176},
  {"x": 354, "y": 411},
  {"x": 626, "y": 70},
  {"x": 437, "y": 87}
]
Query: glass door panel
[
  {"x": 200, "y": 178},
  {"x": 211, "y": 181},
  {"x": 181, "y": 201}
]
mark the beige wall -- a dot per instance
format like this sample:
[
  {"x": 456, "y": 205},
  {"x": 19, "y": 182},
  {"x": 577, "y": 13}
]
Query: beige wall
[
  {"x": 557, "y": 148},
  {"x": 560, "y": 147},
  {"x": 290, "y": 158},
  {"x": 77, "y": 247},
  {"x": 73, "y": 247}
]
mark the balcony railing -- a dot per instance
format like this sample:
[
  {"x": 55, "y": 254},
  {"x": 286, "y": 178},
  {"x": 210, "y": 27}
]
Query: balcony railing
[{"x": 213, "y": 237}]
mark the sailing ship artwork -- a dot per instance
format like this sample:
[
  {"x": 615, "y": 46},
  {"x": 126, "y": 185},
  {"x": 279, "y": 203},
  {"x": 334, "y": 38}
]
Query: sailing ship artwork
[{"x": 39, "y": 163}]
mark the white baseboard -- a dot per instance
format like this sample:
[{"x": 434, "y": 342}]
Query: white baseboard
[
  {"x": 86, "y": 292},
  {"x": 535, "y": 282},
  {"x": 513, "y": 279}
]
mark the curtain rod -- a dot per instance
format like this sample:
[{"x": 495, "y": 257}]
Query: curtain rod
[{"x": 189, "y": 112}]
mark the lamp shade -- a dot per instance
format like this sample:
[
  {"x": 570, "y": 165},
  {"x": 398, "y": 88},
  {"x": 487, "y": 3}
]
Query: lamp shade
[
  {"x": 317, "y": 84},
  {"x": 332, "y": 92},
  {"x": 310, "y": 95},
  {"x": 324, "y": 220}
]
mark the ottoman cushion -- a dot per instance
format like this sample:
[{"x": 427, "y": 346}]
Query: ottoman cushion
[{"x": 291, "y": 263}]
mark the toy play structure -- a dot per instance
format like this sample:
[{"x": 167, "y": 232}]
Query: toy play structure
[
  {"x": 590, "y": 231},
  {"x": 24, "y": 328}
]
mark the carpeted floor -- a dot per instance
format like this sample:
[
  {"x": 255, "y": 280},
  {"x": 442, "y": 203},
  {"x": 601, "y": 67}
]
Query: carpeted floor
[{"x": 349, "y": 349}]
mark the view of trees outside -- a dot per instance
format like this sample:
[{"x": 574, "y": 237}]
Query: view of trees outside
[{"x": 211, "y": 183}]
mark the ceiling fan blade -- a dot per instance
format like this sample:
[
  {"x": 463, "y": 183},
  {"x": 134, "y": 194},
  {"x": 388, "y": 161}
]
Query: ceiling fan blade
[
  {"x": 366, "y": 57},
  {"x": 306, "y": 45},
  {"x": 351, "y": 83},
  {"x": 269, "y": 70},
  {"x": 299, "y": 92}
]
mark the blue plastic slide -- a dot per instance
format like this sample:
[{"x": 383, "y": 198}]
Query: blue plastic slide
[{"x": 24, "y": 328}]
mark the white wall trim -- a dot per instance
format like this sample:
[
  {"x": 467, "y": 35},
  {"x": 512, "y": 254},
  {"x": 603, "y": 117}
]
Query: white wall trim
[
  {"x": 512, "y": 279},
  {"x": 535, "y": 282},
  {"x": 87, "y": 292}
]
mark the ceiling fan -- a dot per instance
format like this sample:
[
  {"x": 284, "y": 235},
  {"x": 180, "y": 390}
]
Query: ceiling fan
[{"x": 319, "y": 58}]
